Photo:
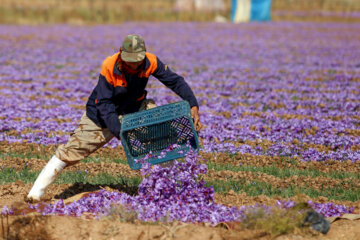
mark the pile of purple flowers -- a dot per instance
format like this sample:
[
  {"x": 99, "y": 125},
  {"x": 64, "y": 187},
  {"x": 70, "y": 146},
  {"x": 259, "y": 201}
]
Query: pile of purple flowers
[{"x": 169, "y": 194}]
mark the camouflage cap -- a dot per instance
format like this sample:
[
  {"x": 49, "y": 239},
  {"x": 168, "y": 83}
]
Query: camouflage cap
[{"x": 133, "y": 48}]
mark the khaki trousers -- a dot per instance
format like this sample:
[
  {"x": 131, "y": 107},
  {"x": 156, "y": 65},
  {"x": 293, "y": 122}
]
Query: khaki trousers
[{"x": 88, "y": 137}]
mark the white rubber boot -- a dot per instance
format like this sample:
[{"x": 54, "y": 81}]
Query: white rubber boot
[{"x": 45, "y": 178}]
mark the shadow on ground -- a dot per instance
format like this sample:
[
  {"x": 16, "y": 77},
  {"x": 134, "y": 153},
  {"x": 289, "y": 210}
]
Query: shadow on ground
[{"x": 79, "y": 187}]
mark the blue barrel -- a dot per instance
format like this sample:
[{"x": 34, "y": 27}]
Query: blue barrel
[
  {"x": 250, "y": 10},
  {"x": 260, "y": 10}
]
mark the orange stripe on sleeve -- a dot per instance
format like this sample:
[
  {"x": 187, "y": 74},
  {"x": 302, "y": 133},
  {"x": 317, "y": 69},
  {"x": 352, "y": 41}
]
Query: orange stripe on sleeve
[
  {"x": 152, "y": 67},
  {"x": 107, "y": 71}
]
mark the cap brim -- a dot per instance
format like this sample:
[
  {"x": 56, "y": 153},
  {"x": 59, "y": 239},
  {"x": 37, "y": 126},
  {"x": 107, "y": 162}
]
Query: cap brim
[{"x": 132, "y": 57}]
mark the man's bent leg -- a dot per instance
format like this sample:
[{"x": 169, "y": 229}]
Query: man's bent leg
[{"x": 86, "y": 139}]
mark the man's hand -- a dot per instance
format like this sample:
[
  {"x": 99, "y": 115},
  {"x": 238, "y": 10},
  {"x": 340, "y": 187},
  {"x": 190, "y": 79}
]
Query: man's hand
[{"x": 195, "y": 115}]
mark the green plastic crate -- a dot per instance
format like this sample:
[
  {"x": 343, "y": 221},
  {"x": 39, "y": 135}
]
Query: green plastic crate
[{"x": 155, "y": 130}]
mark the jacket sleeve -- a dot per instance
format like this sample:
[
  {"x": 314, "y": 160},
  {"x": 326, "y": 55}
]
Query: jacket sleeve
[
  {"x": 175, "y": 82},
  {"x": 106, "y": 106}
]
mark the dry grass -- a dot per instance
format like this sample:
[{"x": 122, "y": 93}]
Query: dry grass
[
  {"x": 323, "y": 5},
  {"x": 117, "y": 11},
  {"x": 276, "y": 221},
  {"x": 122, "y": 213},
  {"x": 94, "y": 11}
]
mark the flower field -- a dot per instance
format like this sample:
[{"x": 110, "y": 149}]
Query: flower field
[{"x": 280, "y": 103}]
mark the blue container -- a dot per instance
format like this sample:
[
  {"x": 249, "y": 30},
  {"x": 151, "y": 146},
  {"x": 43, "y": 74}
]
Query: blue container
[
  {"x": 155, "y": 130},
  {"x": 260, "y": 10}
]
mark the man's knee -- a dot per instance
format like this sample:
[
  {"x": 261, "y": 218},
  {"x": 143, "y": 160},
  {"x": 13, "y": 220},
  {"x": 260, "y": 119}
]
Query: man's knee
[{"x": 70, "y": 155}]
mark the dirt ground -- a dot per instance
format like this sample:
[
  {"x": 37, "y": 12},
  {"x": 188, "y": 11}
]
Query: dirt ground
[
  {"x": 60, "y": 227},
  {"x": 35, "y": 226}
]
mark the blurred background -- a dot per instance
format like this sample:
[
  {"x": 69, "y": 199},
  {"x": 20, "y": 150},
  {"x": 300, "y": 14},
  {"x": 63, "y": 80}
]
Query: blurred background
[{"x": 118, "y": 11}]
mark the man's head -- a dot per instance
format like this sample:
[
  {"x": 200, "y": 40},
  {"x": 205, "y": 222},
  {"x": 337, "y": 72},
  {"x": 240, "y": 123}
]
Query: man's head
[{"x": 133, "y": 50}]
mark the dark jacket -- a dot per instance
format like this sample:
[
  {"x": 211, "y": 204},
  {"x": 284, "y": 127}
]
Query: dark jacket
[{"x": 117, "y": 94}]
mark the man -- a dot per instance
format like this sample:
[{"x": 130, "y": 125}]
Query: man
[{"x": 120, "y": 90}]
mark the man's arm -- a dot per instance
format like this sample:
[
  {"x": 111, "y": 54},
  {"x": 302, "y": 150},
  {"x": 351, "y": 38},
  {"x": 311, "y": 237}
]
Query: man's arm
[
  {"x": 106, "y": 107},
  {"x": 175, "y": 82},
  {"x": 178, "y": 85}
]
